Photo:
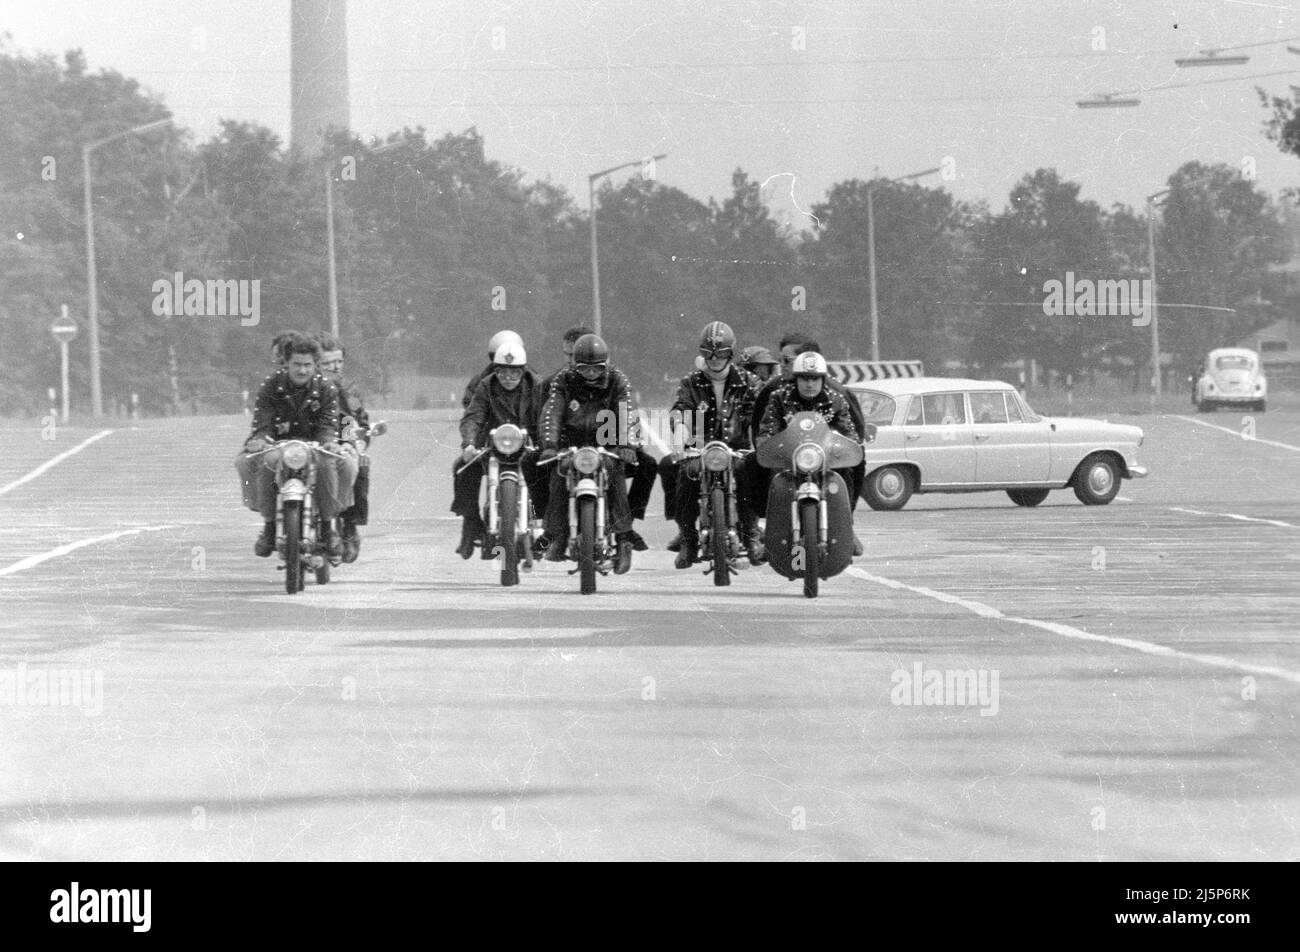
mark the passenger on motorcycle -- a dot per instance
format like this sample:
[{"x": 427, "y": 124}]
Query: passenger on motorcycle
[
  {"x": 507, "y": 396},
  {"x": 589, "y": 404},
  {"x": 805, "y": 390},
  {"x": 759, "y": 362},
  {"x": 297, "y": 403},
  {"x": 499, "y": 338},
  {"x": 715, "y": 403},
  {"x": 353, "y": 419}
]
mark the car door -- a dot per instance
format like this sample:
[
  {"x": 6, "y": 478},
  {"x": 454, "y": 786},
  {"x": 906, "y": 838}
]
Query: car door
[
  {"x": 937, "y": 437},
  {"x": 1009, "y": 449}
]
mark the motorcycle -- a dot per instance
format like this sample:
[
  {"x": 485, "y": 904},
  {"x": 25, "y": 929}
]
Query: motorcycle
[
  {"x": 507, "y": 510},
  {"x": 809, "y": 521},
  {"x": 719, "y": 526},
  {"x": 591, "y": 541},
  {"x": 300, "y": 527}
]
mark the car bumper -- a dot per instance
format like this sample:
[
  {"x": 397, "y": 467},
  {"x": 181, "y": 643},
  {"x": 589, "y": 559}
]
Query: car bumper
[{"x": 1137, "y": 472}]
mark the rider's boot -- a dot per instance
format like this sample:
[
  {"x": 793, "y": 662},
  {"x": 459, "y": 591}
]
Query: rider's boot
[
  {"x": 753, "y": 541},
  {"x": 557, "y": 551},
  {"x": 623, "y": 556},
  {"x": 333, "y": 544},
  {"x": 638, "y": 543},
  {"x": 471, "y": 528},
  {"x": 351, "y": 539},
  {"x": 676, "y": 544},
  {"x": 265, "y": 543},
  {"x": 689, "y": 547}
]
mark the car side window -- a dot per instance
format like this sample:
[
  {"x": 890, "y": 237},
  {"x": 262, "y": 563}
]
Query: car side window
[
  {"x": 943, "y": 409},
  {"x": 876, "y": 407},
  {"x": 913, "y": 417},
  {"x": 988, "y": 406},
  {"x": 1013, "y": 409}
]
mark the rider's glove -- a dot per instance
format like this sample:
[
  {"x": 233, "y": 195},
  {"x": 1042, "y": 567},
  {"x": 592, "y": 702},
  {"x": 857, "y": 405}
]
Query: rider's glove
[
  {"x": 255, "y": 445},
  {"x": 468, "y": 453},
  {"x": 628, "y": 455},
  {"x": 332, "y": 447},
  {"x": 547, "y": 455}
]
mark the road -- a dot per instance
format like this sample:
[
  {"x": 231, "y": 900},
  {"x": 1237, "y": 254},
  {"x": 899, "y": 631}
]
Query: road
[{"x": 1141, "y": 665}]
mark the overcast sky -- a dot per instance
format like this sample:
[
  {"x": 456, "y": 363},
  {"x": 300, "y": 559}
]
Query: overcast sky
[{"x": 584, "y": 84}]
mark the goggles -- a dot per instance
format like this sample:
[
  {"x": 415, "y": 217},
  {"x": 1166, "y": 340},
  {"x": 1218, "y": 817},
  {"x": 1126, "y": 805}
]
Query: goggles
[
  {"x": 721, "y": 353},
  {"x": 591, "y": 371}
]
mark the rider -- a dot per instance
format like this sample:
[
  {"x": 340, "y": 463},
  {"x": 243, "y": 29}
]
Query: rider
[
  {"x": 803, "y": 391},
  {"x": 759, "y": 362},
  {"x": 507, "y": 396},
  {"x": 715, "y": 403},
  {"x": 499, "y": 338},
  {"x": 583, "y": 402},
  {"x": 354, "y": 421},
  {"x": 297, "y": 403}
]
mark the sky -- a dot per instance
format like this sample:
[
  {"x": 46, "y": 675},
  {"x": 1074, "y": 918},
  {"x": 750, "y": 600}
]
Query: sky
[{"x": 799, "y": 94}]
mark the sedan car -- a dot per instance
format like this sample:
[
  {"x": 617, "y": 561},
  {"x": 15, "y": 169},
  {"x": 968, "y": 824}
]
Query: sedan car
[
  {"x": 942, "y": 435},
  {"x": 1230, "y": 377}
]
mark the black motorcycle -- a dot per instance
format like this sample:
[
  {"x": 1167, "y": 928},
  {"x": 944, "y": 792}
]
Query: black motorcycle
[
  {"x": 719, "y": 525},
  {"x": 591, "y": 541}
]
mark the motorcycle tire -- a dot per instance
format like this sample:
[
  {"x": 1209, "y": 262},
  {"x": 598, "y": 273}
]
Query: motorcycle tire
[
  {"x": 808, "y": 517},
  {"x": 719, "y": 537},
  {"x": 587, "y": 544},
  {"x": 508, "y": 520},
  {"x": 293, "y": 547},
  {"x": 322, "y": 573}
]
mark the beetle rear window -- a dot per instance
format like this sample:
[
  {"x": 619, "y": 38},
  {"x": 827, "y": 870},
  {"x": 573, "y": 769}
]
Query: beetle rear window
[{"x": 1233, "y": 363}]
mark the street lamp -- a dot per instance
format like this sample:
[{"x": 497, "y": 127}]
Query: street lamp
[
  {"x": 595, "y": 261},
  {"x": 329, "y": 237},
  {"x": 871, "y": 253},
  {"x": 92, "y": 293}
]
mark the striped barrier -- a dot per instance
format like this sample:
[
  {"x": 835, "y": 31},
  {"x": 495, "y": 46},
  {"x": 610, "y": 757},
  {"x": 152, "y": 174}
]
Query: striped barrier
[{"x": 859, "y": 371}]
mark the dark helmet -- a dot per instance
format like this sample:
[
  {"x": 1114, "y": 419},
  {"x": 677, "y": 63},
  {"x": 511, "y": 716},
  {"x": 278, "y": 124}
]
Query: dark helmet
[
  {"x": 717, "y": 336},
  {"x": 590, "y": 349}
]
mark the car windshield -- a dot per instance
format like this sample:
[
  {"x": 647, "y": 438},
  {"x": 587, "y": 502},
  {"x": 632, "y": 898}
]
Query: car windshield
[
  {"x": 877, "y": 408},
  {"x": 1030, "y": 415},
  {"x": 1233, "y": 363}
]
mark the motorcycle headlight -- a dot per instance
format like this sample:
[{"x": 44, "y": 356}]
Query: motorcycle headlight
[
  {"x": 809, "y": 458},
  {"x": 295, "y": 455},
  {"x": 507, "y": 439},
  {"x": 716, "y": 458},
  {"x": 586, "y": 460}
]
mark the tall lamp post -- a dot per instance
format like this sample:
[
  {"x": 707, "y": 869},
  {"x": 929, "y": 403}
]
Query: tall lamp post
[
  {"x": 871, "y": 253},
  {"x": 92, "y": 293},
  {"x": 1151, "y": 264},
  {"x": 595, "y": 260}
]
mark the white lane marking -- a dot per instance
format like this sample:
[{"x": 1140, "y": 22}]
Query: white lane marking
[
  {"x": 54, "y": 462},
  {"x": 648, "y": 431},
  {"x": 1233, "y": 515},
  {"x": 32, "y": 560},
  {"x": 1237, "y": 433},
  {"x": 1067, "y": 631}
]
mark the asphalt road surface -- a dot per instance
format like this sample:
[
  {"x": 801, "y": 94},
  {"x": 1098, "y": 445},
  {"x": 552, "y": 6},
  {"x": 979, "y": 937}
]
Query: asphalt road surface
[{"x": 1139, "y": 662}]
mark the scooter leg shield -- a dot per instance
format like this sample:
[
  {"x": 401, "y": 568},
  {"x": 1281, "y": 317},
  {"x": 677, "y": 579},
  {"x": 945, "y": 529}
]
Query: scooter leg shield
[{"x": 779, "y": 534}]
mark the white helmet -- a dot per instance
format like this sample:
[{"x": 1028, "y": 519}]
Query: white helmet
[
  {"x": 510, "y": 354},
  {"x": 501, "y": 337},
  {"x": 809, "y": 364}
]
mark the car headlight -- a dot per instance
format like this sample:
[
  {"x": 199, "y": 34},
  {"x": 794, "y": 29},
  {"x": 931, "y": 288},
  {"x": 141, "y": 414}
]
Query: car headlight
[
  {"x": 1209, "y": 385},
  {"x": 716, "y": 457},
  {"x": 295, "y": 455},
  {"x": 809, "y": 458},
  {"x": 507, "y": 438},
  {"x": 586, "y": 460}
]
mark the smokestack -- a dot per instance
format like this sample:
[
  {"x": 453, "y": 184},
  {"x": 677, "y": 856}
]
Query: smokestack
[{"x": 318, "y": 72}]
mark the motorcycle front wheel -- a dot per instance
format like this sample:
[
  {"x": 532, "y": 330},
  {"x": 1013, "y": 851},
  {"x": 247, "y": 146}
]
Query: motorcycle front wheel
[
  {"x": 587, "y": 544},
  {"x": 322, "y": 573},
  {"x": 508, "y": 520},
  {"x": 293, "y": 547},
  {"x": 719, "y": 537},
  {"x": 811, "y": 561}
]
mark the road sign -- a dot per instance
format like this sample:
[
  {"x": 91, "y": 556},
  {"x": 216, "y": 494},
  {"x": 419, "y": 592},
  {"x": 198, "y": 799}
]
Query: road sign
[
  {"x": 64, "y": 328},
  {"x": 860, "y": 371}
]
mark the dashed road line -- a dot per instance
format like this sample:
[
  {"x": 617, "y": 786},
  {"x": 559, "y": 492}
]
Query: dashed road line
[
  {"x": 34, "y": 560},
  {"x": 1237, "y": 433},
  {"x": 1233, "y": 515},
  {"x": 1068, "y": 631},
  {"x": 49, "y": 463}
]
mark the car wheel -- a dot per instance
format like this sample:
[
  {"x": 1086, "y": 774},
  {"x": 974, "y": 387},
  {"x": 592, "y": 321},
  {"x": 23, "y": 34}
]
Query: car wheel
[
  {"x": 888, "y": 488},
  {"x": 1096, "y": 481},
  {"x": 1027, "y": 497}
]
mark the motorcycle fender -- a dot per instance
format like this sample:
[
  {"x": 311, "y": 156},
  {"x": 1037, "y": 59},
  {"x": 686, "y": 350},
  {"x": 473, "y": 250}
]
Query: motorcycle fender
[
  {"x": 839, "y": 534},
  {"x": 586, "y": 487},
  {"x": 293, "y": 490}
]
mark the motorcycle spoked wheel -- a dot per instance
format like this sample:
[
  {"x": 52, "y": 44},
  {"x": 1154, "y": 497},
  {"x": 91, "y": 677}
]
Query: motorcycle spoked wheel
[
  {"x": 587, "y": 544},
  {"x": 508, "y": 521},
  {"x": 808, "y": 518},
  {"x": 293, "y": 547},
  {"x": 719, "y": 537}
]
